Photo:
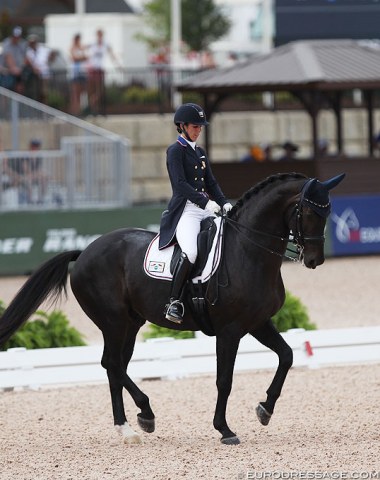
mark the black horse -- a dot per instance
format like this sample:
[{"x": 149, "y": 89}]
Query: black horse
[{"x": 110, "y": 285}]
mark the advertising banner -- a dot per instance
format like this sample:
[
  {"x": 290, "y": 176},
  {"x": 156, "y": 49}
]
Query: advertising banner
[
  {"x": 355, "y": 225},
  {"x": 27, "y": 239}
]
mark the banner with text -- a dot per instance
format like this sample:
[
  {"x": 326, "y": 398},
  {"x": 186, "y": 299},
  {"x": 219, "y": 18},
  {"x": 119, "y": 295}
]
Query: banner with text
[
  {"x": 27, "y": 239},
  {"x": 355, "y": 225}
]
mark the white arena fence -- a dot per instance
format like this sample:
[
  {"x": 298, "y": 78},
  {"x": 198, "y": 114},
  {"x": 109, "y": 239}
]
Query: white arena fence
[
  {"x": 81, "y": 165},
  {"x": 171, "y": 359}
]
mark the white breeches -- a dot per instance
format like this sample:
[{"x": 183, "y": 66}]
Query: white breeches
[{"x": 188, "y": 228}]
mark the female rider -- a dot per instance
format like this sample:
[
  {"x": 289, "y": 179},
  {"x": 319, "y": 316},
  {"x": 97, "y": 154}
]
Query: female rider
[{"x": 196, "y": 195}]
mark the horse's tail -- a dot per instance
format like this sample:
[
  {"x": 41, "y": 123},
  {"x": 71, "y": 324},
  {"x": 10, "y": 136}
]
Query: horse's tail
[{"x": 48, "y": 281}]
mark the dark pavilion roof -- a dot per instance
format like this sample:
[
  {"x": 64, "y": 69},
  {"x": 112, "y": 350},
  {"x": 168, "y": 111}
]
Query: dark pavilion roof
[{"x": 300, "y": 65}]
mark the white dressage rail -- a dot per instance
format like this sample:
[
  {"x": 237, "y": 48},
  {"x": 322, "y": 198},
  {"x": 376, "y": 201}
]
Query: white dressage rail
[{"x": 168, "y": 358}]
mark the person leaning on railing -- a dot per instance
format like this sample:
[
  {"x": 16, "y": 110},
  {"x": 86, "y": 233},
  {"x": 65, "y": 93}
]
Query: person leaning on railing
[{"x": 13, "y": 61}]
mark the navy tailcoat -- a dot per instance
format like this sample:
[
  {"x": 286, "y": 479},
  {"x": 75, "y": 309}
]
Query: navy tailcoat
[{"x": 191, "y": 179}]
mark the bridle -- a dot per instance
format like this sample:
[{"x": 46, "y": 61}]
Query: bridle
[{"x": 298, "y": 237}]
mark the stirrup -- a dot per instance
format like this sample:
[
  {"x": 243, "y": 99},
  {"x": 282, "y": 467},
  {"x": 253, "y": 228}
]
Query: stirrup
[{"x": 176, "y": 316}]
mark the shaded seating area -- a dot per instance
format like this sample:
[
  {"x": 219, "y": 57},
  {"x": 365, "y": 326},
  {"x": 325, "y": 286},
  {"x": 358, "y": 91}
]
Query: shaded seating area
[{"x": 319, "y": 73}]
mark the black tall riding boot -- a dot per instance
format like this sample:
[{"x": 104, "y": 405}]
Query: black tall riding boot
[{"x": 175, "y": 309}]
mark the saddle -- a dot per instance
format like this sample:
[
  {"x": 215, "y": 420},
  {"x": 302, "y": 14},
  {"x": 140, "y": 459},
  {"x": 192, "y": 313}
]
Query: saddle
[
  {"x": 204, "y": 243},
  {"x": 160, "y": 264}
]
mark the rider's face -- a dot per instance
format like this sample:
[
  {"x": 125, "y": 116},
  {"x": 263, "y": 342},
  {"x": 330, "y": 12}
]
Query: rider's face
[{"x": 193, "y": 131}]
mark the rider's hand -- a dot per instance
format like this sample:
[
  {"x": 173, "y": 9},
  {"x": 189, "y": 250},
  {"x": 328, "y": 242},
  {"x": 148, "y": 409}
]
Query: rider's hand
[
  {"x": 212, "y": 207},
  {"x": 227, "y": 207}
]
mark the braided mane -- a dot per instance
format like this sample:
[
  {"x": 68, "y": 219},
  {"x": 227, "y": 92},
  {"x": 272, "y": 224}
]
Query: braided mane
[{"x": 278, "y": 177}]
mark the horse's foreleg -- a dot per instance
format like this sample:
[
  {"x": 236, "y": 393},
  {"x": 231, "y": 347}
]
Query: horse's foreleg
[
  {"x": 226, "y": 350},
  {"x": 145, "y": 418},
  {"x": 271, "y": 338}
]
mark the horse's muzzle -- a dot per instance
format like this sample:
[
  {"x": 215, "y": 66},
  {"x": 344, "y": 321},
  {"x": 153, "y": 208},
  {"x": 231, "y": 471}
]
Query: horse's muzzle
[{"x": 312, "y": 261}]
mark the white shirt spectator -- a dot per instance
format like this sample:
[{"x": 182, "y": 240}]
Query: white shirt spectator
[
  {"x": 98, "y": 51},
  {"x": 38, "y": 56}
]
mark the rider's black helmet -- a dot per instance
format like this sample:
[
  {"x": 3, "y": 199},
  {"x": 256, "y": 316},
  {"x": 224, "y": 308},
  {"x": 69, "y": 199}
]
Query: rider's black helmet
[{"x": 190, "y": 113}]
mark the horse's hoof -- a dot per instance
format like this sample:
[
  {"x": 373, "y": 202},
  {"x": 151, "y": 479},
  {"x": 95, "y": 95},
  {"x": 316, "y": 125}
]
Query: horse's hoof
[
  {"x": 130, "y": 437},
  {"x": 132, "y": 440},
  {"x": 147, "y": 425},
  {"x": 230, "y": 440},
  {"x": 262, "y": 414}
]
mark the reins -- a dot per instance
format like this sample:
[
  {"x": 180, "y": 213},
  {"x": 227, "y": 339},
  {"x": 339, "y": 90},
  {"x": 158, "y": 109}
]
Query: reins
[
  {"x": 298, "y": 238},
  {"x": 236, "y": 226},
  {"x": 220, "y": 244}
]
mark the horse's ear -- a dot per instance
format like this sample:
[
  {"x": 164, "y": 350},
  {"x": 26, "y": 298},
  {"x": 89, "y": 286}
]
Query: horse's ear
[{"x": 333, "y": 182}]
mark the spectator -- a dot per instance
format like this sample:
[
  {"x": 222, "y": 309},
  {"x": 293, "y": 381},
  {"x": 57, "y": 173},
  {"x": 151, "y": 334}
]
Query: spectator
[
  {"x": 13, "y": 181},
  {"x": 162, "y": 56},
  {"x": 267, "y": 151},
  {"x": 78, "y": 59},
  {"x": 37, "y": 58},
  {"x": 207, "y": 59},
  {"x": 8, "y": 182},
  {"x": 13, "y": 60},
  {"x": 9, "y": 185},
  {"x": 232, "y": 60},
  {"x": 258, "y": 153},
  {"x": 376, "y": 145},
  {"x": 96, "y": 57},
  {"x": 161, "y": 62},
  {"x": 290, "y": 150},
  {"x": 34, "y": 177},
  {"x": 323, "y": 148},
  {"x": 24, "y": 174}
]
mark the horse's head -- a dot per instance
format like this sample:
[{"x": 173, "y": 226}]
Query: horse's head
[{"x": 309, "y": 219}]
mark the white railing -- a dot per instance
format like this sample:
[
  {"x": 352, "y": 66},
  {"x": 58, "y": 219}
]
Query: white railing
[{"x": 168, "y": 358}]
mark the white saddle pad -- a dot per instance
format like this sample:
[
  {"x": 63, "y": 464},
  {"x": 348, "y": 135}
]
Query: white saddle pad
[{"x": 157, "y": 262}]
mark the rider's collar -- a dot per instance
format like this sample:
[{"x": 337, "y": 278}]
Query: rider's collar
[{"x": 185, "y": 142}]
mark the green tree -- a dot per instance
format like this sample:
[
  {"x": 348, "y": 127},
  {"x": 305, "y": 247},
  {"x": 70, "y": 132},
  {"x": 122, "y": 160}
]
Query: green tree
[
  {"x": 5, "y": 24},
  {"x": 202, "y": 22}
]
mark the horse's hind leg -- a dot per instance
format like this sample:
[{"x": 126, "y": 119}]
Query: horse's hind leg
[
  {"x": 116, "y": 356},
  {"x": 271, "y": 338}
]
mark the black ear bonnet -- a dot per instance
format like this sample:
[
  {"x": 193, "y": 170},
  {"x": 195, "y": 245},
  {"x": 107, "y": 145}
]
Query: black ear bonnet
[{"x": 315, "y": 194}]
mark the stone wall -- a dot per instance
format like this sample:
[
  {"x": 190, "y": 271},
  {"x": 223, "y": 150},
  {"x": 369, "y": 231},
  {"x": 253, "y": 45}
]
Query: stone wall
[{"x": 232, "y": 133}]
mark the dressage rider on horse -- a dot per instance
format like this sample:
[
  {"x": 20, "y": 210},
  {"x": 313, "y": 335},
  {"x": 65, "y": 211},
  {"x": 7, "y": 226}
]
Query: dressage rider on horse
[{"x": 196, "y": 195}]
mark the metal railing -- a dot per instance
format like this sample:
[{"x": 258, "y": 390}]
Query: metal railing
[
  {"x": 119, "y": 91},
  {"x": 79, "y": 166}
]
